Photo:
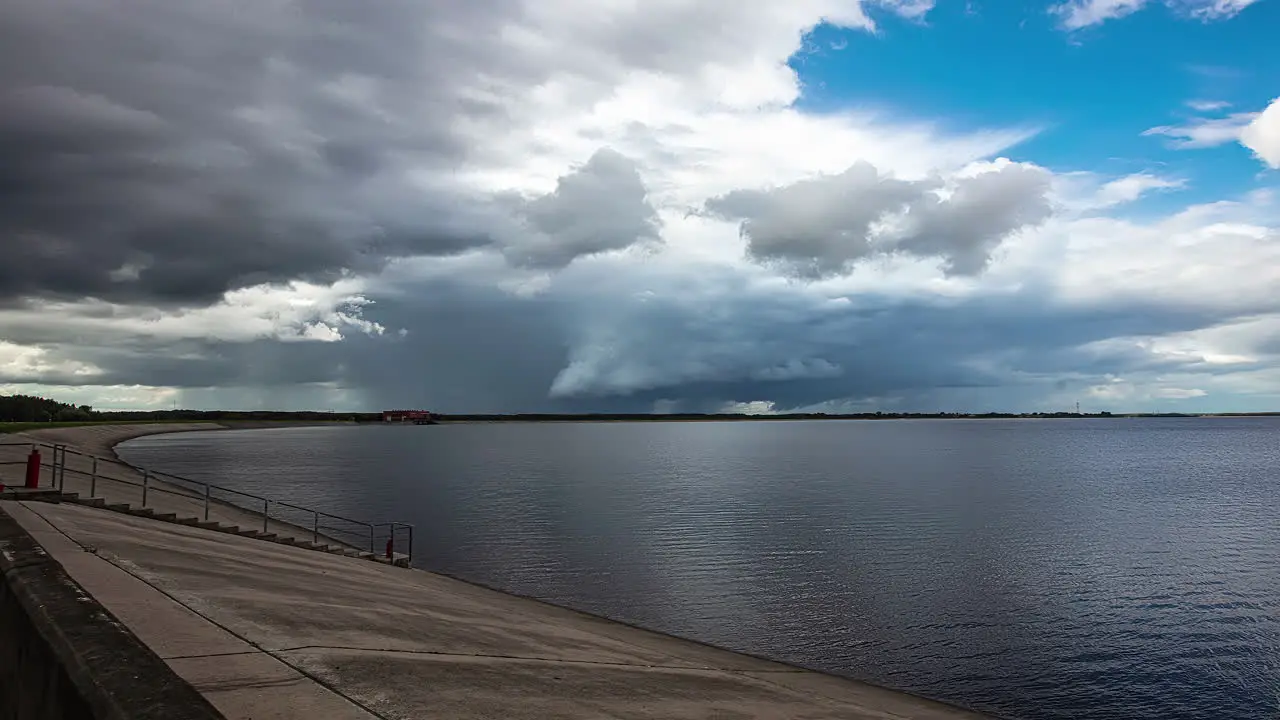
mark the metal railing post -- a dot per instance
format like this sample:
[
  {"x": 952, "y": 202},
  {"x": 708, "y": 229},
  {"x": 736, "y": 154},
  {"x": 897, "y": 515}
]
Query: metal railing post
[
  {"x": 315, "y": 527},
  {"x": 410, "y": 543},
  {"x": 146, "y": 480},
  {"x": 266, "y": 513},
  {"x": 62, "y": 470},
  {"x": 93, "y": 479},
  {"x": 206, "y": 502},
  {"x": 373, "y": 545}
]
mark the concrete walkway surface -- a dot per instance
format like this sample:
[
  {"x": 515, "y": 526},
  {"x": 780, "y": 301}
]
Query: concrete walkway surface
[{"x": 266, "y": 631}]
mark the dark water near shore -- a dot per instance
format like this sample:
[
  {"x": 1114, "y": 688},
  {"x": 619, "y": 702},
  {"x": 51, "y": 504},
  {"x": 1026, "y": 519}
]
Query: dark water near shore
[{"x": 1068, "y": 569}]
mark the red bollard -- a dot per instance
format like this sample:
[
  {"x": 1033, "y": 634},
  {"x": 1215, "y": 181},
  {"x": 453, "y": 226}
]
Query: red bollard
[
  {"x": 389, "y": 547},
  {"x": 33, "y": 469}
]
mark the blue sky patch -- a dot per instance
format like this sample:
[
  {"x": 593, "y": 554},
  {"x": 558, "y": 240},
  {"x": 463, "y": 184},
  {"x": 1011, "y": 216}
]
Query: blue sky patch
[{"x": 1093, "y": 92}]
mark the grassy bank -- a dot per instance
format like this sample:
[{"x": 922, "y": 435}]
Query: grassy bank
[{"x": 17, "y": 427}]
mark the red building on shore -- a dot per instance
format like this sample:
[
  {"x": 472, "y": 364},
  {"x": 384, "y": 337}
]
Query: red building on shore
[{"x": 417, "y": 417}]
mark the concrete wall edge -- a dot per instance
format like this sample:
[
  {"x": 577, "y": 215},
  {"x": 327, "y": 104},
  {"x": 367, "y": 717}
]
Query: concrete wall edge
[{"x": 109, "y": 668}]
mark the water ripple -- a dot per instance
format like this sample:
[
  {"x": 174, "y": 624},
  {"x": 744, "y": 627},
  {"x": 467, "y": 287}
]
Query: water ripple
[{"x": 1075, "y": 570}]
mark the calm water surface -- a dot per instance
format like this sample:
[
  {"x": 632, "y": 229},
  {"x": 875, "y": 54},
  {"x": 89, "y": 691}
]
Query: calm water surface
[{"x": 1073, "y": 569}]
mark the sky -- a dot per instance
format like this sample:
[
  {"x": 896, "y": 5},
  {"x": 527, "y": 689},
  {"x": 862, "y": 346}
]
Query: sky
[{"x": 627, "y": 206}]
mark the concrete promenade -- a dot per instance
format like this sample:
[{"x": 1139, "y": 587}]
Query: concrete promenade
[
  {"x": 271, "y": 632},
  {"x": 266, "y": 631}
]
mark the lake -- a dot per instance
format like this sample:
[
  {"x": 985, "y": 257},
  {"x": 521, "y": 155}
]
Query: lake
[{"x": 1038, "y": 569}]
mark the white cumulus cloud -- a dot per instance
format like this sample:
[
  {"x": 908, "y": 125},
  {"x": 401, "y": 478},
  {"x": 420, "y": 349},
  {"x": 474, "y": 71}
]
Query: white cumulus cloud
[
  {"x": 1215, "y": 9},
  {"x": 1208, "y": 105},
  {"x": 1257, "y": 131},
  {"x": 1262, "y": 135},
  {"x": 1204, "y": 132},
  {"x": 1083, "y": 13},
  {"x": 1077, "y": 14}
]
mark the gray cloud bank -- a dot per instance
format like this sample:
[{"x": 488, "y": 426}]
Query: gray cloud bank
[
  {"x": 821, "y": 227},
  {"x": 168, "y": 152},
  {"x": 644, "y": 345},
  {"x": 161, "y": 154}
]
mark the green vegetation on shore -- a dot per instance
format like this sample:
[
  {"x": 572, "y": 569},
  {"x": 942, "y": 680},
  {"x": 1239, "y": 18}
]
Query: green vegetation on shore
[
  {"x": 19, "y": 413},
  {"x": 24, "y": 427},
  {"x": 720, "y": 417},
  {"x": 17, "y": 427},
  {"x": 32, "y": 409}
]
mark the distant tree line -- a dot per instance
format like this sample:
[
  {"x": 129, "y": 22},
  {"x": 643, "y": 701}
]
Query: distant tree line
[
  {"x": 550, "y": 417},
  {"x": 232, "y": 415},
  {"x": 29, "y": 408},
  {"x": 32, "y": 409}
]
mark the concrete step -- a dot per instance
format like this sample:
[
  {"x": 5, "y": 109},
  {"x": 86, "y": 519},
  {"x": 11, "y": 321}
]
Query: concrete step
[
  {"x": 166, "y": 517},
  {"x": 39, "y": 494},
  {"x": 119, "y": 507},
  {"x": 142, "y": 512},
  {"x": 192, "y": 521},
  {"x": 92, "y": 501},
  {"x": 209, "y": 524}
]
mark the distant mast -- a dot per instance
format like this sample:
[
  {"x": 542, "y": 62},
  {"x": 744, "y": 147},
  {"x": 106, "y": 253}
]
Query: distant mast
[{"x": 1077, "y": 407}]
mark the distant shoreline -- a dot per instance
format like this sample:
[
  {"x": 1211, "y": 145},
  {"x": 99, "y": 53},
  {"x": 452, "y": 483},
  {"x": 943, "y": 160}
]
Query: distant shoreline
[
  {"x": 239, "y": 421},
  {"x": 532, "y": 418}
]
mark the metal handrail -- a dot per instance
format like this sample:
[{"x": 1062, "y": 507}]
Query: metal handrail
[{"x": 203, "y": 491}]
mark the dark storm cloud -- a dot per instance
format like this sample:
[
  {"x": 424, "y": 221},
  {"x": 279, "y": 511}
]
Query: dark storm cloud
[
  {"x": 160, "y": 153},
  {"x": 478, "y": 349},
  {"x": 820, "y": 227},
  {"x": 729, "y": 347},
  {"x": 182, "y": 363},
  {"x": 738, "y": 346},
  {"x": 980, "y": 212},
  {"x": 598, "y": 207},
  {"x": 167, "y": 152},
  {"x": 467, "y": 348},
  {"x": 200, "y": 363}
]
